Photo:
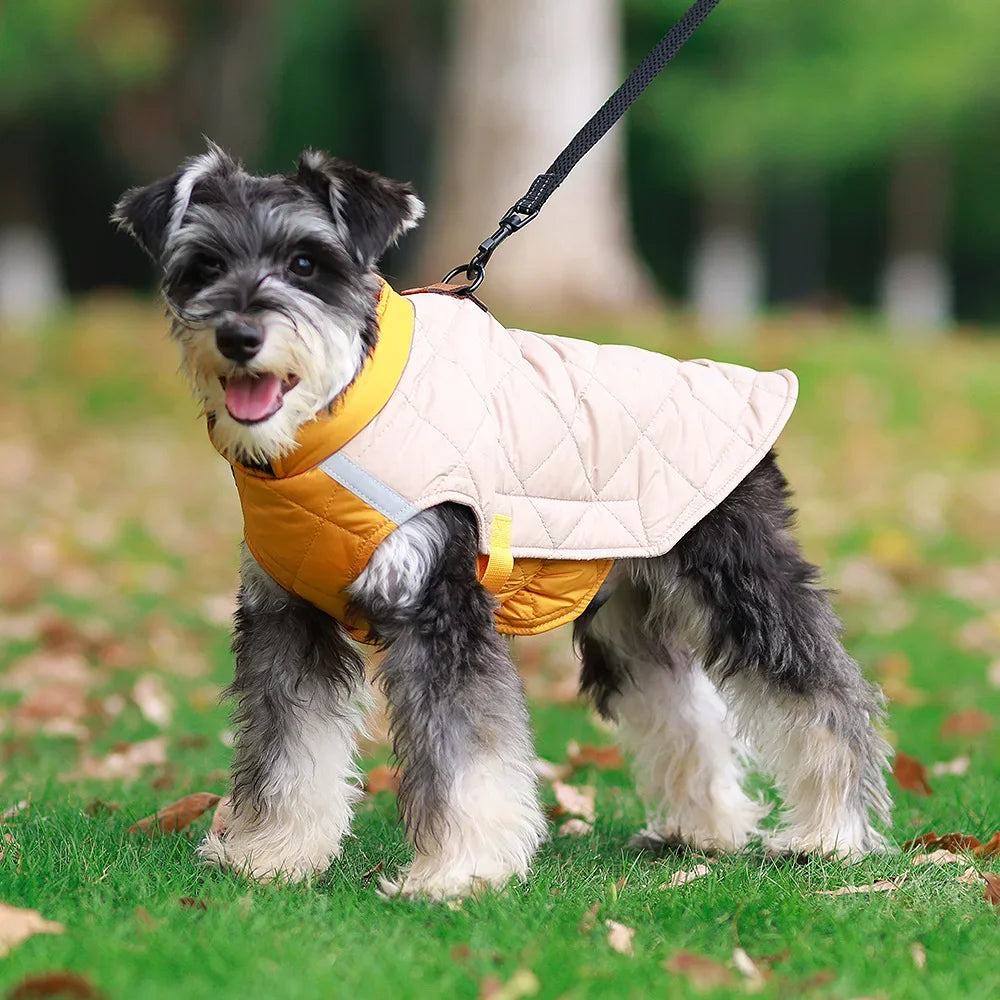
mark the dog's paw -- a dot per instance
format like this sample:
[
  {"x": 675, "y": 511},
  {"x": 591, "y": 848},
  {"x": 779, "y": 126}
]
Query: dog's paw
[
  {"x": 439, "y": 886},
  {"x": 262, "y": 856},
  {"x": 835, "y": 845}
]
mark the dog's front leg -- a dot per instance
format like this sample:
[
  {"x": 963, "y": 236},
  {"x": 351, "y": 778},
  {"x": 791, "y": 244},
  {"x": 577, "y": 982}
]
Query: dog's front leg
[
  {"x": 299, "y": 690},
  {"x": 460, "y": 725}
]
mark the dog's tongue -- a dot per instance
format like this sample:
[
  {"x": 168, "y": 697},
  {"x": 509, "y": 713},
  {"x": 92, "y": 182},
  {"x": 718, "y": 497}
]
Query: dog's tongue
[{"x": 252, "y": 398}]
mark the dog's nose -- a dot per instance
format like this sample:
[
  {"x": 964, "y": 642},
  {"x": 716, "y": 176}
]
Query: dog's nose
[{"x": 239, "y": 340}]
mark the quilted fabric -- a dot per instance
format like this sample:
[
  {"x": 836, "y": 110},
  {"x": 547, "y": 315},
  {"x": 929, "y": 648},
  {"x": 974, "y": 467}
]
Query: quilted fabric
[{"x": 595, "y": 452}]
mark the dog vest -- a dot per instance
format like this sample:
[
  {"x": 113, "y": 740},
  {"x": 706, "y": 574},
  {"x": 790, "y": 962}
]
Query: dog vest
[{"x": 569, "y": 454}]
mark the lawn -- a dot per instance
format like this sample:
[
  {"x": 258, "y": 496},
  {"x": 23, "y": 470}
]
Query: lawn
[{"x": 118, "y": 555}]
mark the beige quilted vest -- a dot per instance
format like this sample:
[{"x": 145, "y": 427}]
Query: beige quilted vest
[{"x": 590, "y": 451}]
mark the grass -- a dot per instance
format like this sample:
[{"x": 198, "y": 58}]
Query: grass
[{"x": 118, "y": 554}]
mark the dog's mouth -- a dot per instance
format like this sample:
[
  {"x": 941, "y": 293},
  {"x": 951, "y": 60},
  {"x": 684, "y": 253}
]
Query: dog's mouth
[{"x": 251, "y": 399}]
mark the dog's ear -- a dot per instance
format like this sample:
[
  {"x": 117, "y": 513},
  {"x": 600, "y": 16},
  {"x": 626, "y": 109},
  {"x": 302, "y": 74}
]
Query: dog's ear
[
  {"x": 372, "y": 210},
  {"x": 149, "y": 213},
  {"x": 144, "y": 213}
]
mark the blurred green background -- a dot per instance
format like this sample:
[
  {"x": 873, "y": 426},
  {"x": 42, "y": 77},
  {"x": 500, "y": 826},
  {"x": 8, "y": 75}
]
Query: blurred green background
[{"x": 826, "y": 157}]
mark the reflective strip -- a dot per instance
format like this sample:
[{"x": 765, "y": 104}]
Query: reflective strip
[
  {"x": 501, "y": 562},
  {"x": 366, "y": 487}
]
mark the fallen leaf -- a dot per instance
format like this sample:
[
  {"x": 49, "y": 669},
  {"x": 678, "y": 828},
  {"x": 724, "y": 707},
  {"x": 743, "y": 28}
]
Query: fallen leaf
[
  {"x": 910, "y": 774},
  {"x": 191, "y": 903},
  {"x": 748, "y": 969},
  {"x": 125, "y": 762},
  {"x": 957, "y": 767},
  {"x": 894, "y": 675},
  {"x": 382, "y": 779},
  {"x": 64, "y": 984},
  {"x": 992, "y": 894},
  {"x": 11, "y": 811},
  {"x": 957, "y": 842},
  {"x": 574, "y": 800},
  {"x": 98, "y": 807},
  {"x": 548, "y": 771},
  {"x": 178, "y": 815},
  {"x": 222, "y": 818},
  {"x": 971, "y": 722},
  {"x": 993, "y": 674},
  {"x": 589, "y": 920},
  {"x": 702, "y": 973},
  {"x": 919, "y": 955},
  {"x": 939, "y": 857},
  {"x": 620, "y": 937},
  {"x": 17, "y": 925},
  {"x": 604, "y": 758},
  {"x": 153, "y": 700},
  {"x": 970, "y": 877},
  {"x": 879, "y": 885},
  {"x": 575, "y": 828},
  {"x": 523, "y": 983},
  {"x": 682, "y": 878}
]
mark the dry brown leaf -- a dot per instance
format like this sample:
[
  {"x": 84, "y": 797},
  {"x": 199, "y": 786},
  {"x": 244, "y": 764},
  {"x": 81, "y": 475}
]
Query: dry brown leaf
[
  {"x": 682, "y": 878},
  {"x": 153, "y": 700},
  {"x": 575, "y": 800},
  {"x": 604, "y": 758},
  {"x": 701, "y": 972},
  {"x": 957, "y": 767},
  {"x": 879, "y": 885},
  {"x": 17, "y": 925},
  {"x": 970, "y": 877},
  {"x": 57, "y": 708},
  {"x": 192, "y": 903},
  {"x": 993, "y": 674},
  {"x": 382, "y": 778},
  {"x": 919, "y": 956},
  {"x": 64, "y": 984},
  {"x": 894, "y": 676},
  {"x": 910, "y": 774},
  {"x": 575, "y": 828},
  {"x": 971, "y": 722},
  {"x": 11, "y": 811},
  {"x": 523, "y": 983},
  {"x": 992, "y": 894},
  {"x": 222, "y": 818},
  {"x": 620, "y": 937},
  {"x": 939, "y": 857},
  {"x": 589, "y": 920},
  {"x": 178, "y": 815},
  {"x": 957, "y": 842},
  {"x": 125, "y": 762}
]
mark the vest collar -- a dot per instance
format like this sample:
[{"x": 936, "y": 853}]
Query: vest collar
[{"x": 363, "y": 399}]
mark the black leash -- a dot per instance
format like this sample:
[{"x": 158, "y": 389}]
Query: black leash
[{"x": 525, "y": 209}]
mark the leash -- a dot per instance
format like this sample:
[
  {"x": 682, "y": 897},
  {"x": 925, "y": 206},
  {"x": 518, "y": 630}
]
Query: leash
[{"x": 544, "y": 185}]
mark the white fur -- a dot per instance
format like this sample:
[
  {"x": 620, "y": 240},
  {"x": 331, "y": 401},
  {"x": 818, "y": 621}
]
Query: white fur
[
  {"x": 687, "y": 761},
  {"x": 194, "y": 170},
  {"x": 494, "y": 828},
  {"x": 399, "y": 567},
  {"x": 307, "y": 802},
  {"x": 815, "y": 770},
  {"x": 324, "y": 355}
]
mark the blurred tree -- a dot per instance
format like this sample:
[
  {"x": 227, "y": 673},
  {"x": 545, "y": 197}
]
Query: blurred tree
[
  {"x": 780, "y": 85},
  {"x": 57, "y": 59},
  {"x": 523, "y": 76}
]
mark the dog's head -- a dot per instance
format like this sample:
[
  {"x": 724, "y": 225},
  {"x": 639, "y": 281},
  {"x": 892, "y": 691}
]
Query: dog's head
[{"x": 270, "y": 283}]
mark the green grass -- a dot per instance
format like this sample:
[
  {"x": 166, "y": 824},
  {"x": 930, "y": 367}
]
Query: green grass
[{"x": 128, "y": 592}]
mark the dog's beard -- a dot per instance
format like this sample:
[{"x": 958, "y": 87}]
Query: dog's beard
[{"x": 308, "y": 358}]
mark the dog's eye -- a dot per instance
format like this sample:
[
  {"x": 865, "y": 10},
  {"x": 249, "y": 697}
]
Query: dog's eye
[
  {"x": 207, "y": 268},
  {"x": 302, "y": 265}
]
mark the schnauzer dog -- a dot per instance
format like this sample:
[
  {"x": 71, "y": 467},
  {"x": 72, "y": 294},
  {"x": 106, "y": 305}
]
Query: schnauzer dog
[{"x": 722, "y": 644}]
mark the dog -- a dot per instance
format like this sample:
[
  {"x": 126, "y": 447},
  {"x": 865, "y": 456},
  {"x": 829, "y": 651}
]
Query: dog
[{"x": 723, "y": 643}]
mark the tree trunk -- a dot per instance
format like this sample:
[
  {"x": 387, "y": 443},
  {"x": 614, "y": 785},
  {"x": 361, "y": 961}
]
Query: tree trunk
[
  {"x": 916, "y": 284},
  {"x": 727, "y": 270},
  {"x": 523, "y": 77}
]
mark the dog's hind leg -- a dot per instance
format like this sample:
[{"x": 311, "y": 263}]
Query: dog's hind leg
[
  {"x": 737, "y": 589},
  {"x": 670, "y": 718},
  {"x": 300, "y": 697},
  {"x": 459, "y": 721}
]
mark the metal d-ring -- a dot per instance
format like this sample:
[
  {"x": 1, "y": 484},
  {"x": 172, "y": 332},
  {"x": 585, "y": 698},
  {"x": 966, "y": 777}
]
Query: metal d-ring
[{"x": 474, "y": 271}]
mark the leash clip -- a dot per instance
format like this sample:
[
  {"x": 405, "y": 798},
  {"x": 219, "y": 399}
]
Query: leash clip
[{"x": 475, "y": 271}]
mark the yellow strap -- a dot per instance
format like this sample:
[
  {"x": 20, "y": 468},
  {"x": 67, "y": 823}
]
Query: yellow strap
[{"x": 501, "y": 563}]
